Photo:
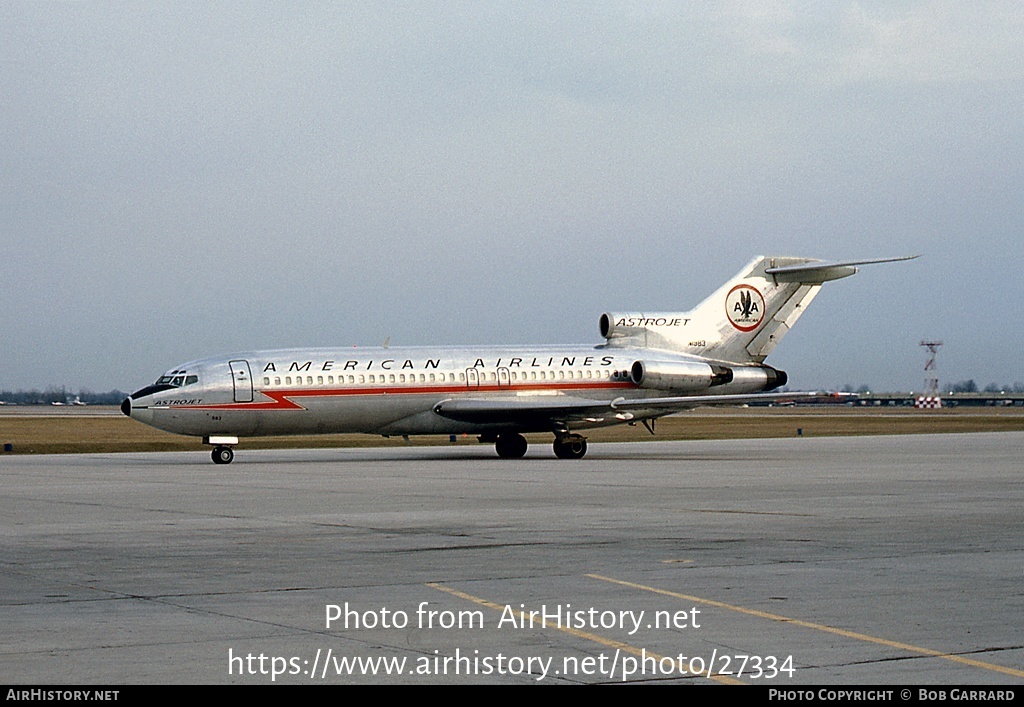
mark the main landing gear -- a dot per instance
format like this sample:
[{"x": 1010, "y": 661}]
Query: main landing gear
[
  {"x": 510, "y": 446},
  {"x": 570, "y": 447},
  {"x": 513, "y": 446}
]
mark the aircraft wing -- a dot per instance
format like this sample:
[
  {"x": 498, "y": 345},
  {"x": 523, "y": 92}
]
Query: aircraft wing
[
  {"x": 541, "y": 409},
  {"x": 523, "y": 410}
]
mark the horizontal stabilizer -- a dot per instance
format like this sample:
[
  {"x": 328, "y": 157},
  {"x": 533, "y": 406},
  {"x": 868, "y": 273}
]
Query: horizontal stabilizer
[{"x": 818, "y": 272}]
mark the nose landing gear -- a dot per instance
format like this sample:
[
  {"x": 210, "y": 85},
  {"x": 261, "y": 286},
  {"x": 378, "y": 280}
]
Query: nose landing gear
[
  {"x": 223, "y": 455},
  {"x": 222, "y": 452}
]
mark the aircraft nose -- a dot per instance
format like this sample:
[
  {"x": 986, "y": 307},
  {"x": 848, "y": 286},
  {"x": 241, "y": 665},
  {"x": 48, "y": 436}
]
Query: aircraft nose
[{"x": 126, "y": 407}]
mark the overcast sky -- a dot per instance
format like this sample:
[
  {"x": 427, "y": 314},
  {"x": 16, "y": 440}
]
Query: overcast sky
[{"x": 185, "y": 179}]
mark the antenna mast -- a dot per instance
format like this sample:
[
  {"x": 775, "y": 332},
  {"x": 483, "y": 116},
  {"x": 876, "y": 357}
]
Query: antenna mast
[{"x": 930, "y": 398}]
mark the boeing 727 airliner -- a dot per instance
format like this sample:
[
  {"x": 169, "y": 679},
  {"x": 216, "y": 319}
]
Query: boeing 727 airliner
[{"x": 650, "y": 365}]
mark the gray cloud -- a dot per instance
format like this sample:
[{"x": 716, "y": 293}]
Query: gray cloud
[{"x": 179, "y": 179}]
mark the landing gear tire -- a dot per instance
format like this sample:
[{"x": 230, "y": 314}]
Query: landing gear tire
[
  {"x": 511, "y": 446},
  {"x": 570, "y": 448},
  {"x": 223, "y": 455}
]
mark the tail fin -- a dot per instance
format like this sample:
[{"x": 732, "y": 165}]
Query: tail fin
[{"x": 744, "y": 320}]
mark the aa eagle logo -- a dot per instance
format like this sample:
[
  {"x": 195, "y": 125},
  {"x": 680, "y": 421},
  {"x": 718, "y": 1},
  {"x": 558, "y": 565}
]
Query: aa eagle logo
[{"x": 744, "y": 306}]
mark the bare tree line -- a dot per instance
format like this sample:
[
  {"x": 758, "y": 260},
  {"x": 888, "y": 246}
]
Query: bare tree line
[{"x": 60, "y": 394}]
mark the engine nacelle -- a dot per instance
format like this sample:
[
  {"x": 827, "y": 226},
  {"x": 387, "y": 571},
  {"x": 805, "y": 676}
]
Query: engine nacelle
[
  {"x": 753, "y": 379},
  {"x": 679, "y": 375},
  {"x": 615, "y": 325},
  {"x": 690, "y": 376}
]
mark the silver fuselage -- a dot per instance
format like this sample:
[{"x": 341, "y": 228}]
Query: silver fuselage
[{"x": 391, "y": 391}]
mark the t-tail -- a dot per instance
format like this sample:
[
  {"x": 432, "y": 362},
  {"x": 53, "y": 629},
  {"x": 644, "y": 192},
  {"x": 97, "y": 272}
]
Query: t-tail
[{"x": 744, "y": 320}]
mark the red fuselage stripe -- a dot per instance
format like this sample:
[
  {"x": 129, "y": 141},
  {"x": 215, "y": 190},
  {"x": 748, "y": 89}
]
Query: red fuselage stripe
[{"x": 282, "y": 397}]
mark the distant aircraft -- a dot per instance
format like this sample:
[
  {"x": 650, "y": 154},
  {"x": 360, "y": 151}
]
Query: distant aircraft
[
  {"x": 77, "y": 401},
  {"x": 650, "y": 365}
]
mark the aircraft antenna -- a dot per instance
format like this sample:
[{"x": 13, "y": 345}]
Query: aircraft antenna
[{"x": 930, "y": 398}]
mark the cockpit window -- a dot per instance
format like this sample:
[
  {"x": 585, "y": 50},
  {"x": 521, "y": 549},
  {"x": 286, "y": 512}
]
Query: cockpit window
[
  {"x": 169, "y": 381},
  {"x": 177, "y": 379}
]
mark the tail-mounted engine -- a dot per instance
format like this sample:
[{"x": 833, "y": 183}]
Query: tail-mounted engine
[
  {"x": 679, "y": 375},
  {"x": 758, "y": 378},
  {"x": 697, "y": 375}
]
